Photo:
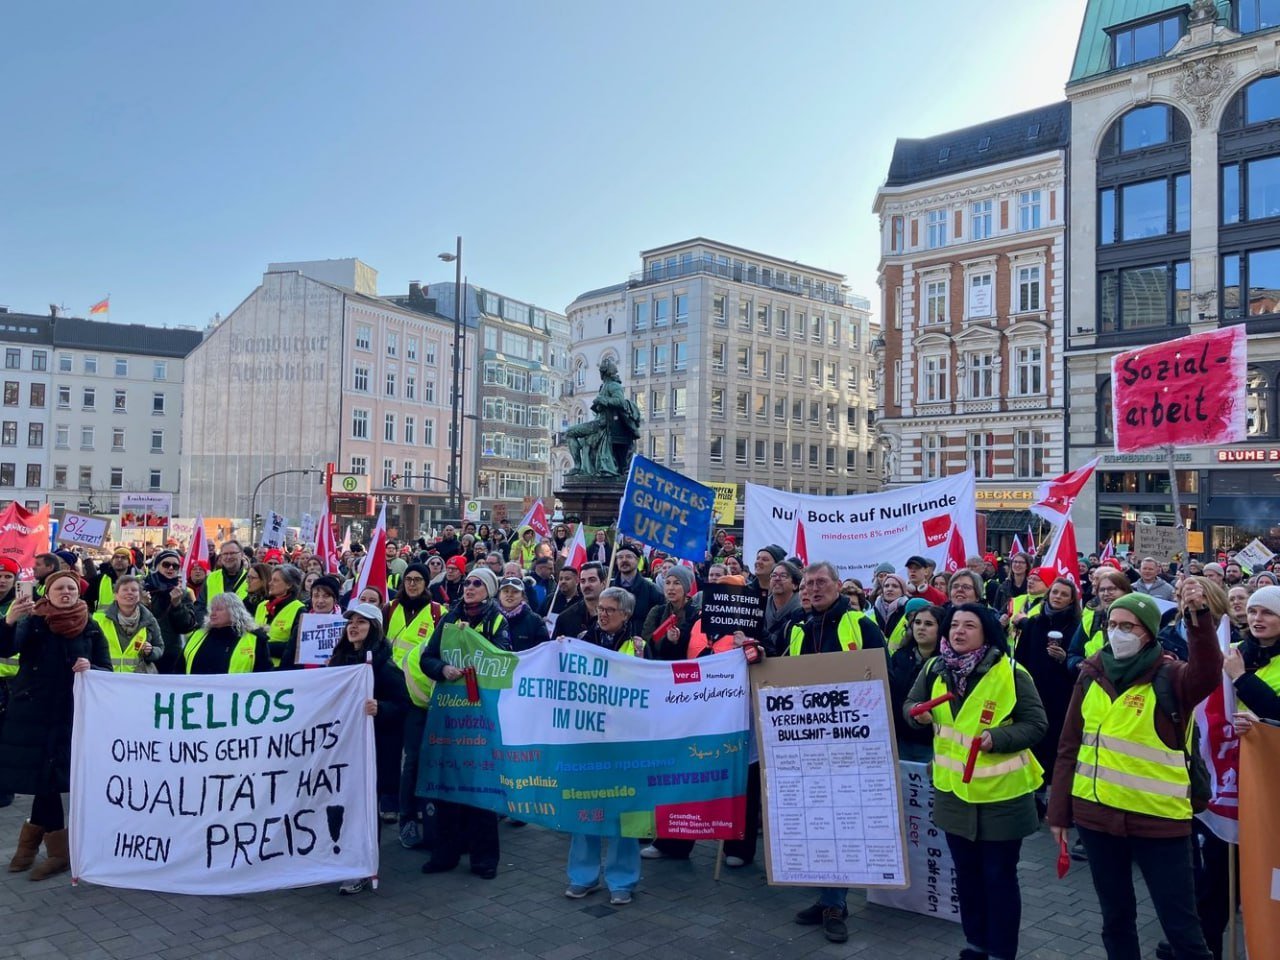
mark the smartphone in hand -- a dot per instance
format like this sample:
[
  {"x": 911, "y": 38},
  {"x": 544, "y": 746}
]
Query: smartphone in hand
[{"x": 24, "y": 590}]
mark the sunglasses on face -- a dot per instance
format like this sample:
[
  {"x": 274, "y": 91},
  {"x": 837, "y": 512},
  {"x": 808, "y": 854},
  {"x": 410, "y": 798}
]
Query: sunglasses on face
[
  {"x": 168, "y": 566},
  {"x": 473, "y": 583}
]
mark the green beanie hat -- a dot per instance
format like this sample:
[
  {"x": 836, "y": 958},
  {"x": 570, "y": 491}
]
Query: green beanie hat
[{"x": 1142, "y": 607}]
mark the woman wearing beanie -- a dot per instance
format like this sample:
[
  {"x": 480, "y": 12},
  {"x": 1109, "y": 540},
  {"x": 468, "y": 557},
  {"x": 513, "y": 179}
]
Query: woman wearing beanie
[
  {"x": 678, "y": 589},
  {"x": 890, "y": 609},
  {"x": 458, "y": 826},
  {"x": 448, "y": 591},
  {"x": 1122, "y": 752},
  {"x": 412, "y": 615},
  {"x": 322, "y": 597},
  {"x": 54, "y": 639},
  {"x": 1091, "y": 636},
  {"x": 362, "y": 641},
  {"x": 983, "y": 801},
  {"x": 281, "y": 612},
  {"x": 173, "y": 607}
]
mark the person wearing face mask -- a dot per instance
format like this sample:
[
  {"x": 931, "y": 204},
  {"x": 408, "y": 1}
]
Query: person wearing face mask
[
  {"x": 890, "y": 608},
  {"x": 57, "y": 640},
  {"x": 988, "y": 813},
  {"x": 1091, "y": 635},
  {"x": 920, "y": 646},
  {"x": 132, "y": 633},
  {"x": 1042, "y": 649},
  {"x": 172, "y": 606},
  {"x": 1123, "y": 752}
]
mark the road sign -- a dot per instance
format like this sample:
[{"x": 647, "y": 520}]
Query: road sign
[
  {"x": 471, "y": 510},
  {"x": 349, "y": 484}
]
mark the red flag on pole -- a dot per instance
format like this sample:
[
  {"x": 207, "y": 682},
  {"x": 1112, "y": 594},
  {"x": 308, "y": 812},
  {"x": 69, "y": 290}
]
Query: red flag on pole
[
  {"x": 955, "y": 551},
  {"x": 802, "y": 548},
  {"x": 1017, "y": 547},
  {"x": 577, "y": 554},
  {"x": 373, "y": 572},
  {"x": 197, "y": 550},
  {"x": 23, "y": 534},
  {"x": 1220, "y": 748},
  {"x": 1054, "y": 497},
  {"x": 537, "y": 519},
  {"x": 326, "y": 542},
  {"x": 102, "y": 306},
  {"x": 1062, "y": 555},
  {"x": 1031, "y": 541},
  {"x": 1109, "y": 551}
]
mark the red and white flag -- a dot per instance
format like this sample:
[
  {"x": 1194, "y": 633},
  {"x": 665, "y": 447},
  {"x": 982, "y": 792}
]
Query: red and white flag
[
  {"x": 802, "y": 547},
  {"x": 577, "y": 551},
  {"x": 955, "y": 551},
  {"x": 1220, "y": 748},
  {"x": 1017, "y": 547},
  {"x": 1109, "y": 551},
  {"x": 1054, "y": 497},
  {"x": 1062, "y": 555},
  {"x": 537, "y": 519},
  {"x": 373, "y": 572},
  {"x": 346, "y": 542},
  {"x": 1031, "y": 541},
  {"x": 326, "y": 545},
  {"x": 197, "y": 550}
]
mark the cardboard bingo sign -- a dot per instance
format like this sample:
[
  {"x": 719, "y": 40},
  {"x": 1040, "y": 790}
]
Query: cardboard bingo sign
[{"x": 1183, "y": 393}]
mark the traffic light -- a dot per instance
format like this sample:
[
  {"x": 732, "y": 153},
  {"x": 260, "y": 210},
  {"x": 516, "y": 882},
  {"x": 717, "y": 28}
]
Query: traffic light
[{"x": 395, "y": 479}]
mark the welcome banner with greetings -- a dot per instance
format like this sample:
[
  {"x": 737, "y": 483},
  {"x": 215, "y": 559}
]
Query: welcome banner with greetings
[
  {"x": 223, "y": 784},
  {"x": 858, "y": 533},
  {"x": 578, "y": 738}
]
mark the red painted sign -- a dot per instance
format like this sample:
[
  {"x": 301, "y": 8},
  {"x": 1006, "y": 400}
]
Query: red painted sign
[{"x": 1187, "y": 392}]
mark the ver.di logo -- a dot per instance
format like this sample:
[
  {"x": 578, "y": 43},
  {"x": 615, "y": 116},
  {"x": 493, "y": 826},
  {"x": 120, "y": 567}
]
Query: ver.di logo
[{"x": 686, "y": 673}]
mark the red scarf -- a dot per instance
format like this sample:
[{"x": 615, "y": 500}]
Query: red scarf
[{"x": 276, "y": 605}]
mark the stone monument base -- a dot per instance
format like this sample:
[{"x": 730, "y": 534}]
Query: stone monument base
[{"x": 593, "y": 502}]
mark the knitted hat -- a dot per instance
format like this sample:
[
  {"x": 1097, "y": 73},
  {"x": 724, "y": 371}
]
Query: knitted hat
[
  {"x": 916, "y": 603},
  {"x": 328, "y": 582},
  {"x": 685, "y": 576},
  {"x": 419, "y": 568},
  {"x": 1268, "y": 598},
  {"x": 10, "y": 565},
  {"x": 885, "y": 568},
  {"x": 1148, "y": 614},
  {"x": 458, "y": 562},
  {"x": 67, "y": 557},
  {"x": 1046, "y": 575},
  {"x": 123, "y": 552},
  {"x": 775, "y": 551},
  {"x": 57, "y": 575},
  {"x": 1216, "y": 568},
  {"x": 487, "y": 577},
  {"x": 164, "y": 555},
  {"x": 274, "y": 554}
]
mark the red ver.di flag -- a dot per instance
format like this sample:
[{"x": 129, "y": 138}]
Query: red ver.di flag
[
  {"x": 1184, "y": 393},
  {"x": 23, "y": 534}
]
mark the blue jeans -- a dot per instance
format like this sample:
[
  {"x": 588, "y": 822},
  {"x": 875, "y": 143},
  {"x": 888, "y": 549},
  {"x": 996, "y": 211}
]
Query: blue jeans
[
  {"x": 833, "y": 896},
  {"x": 621, "y": 864}
]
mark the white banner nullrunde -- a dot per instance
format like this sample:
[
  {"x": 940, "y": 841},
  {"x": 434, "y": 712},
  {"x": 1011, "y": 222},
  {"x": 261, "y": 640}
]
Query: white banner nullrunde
[{"x": 223, "y": 784}]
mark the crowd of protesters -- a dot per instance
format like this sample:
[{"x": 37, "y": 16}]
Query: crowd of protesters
[{"x": 1016, "y": 683}]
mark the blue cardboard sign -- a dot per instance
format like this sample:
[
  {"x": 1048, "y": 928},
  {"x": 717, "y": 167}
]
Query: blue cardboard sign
[{"x": 666, "y": 510}]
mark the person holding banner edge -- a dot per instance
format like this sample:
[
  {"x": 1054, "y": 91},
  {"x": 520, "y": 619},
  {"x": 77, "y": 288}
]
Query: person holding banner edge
[
  {"x": 986, "y": 717},
  {"x": 55, "y": 640}
]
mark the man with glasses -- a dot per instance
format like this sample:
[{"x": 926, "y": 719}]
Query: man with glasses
[
  {"x": 782, "y": 609},
  {"x": 232, "y": 573},
  {"x": 577, "y": 619},
  {"x": 458, "y": 826}
]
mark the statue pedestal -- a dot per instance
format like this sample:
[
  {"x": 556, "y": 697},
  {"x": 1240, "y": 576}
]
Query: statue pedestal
[{"x": 592, "y": 501}]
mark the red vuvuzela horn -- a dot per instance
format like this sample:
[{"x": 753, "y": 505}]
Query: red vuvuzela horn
[
  {"x": 928, "y": 705},
  {"x": 974, "y": 749}
]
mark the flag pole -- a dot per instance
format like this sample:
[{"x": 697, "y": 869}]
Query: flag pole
[
  {"x": 1232, "y": 893},
  {"x": 1178, "y": 523}
]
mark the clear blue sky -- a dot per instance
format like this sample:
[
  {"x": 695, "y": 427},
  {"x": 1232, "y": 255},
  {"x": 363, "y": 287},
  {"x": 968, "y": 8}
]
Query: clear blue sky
[{"x": 166, "y": 152}]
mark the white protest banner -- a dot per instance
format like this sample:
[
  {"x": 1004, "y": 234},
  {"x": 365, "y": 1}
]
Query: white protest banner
[
  {"x": 317, "y": 636},
  {"x": 223, "y": 784},
  {"x": 182, "y": 528},
  {"x": 858, "y": 533},
  {"x": 1255, "y": 555},
  {"x": 86, "y": 531},
  {"x": 307, "y": 529},
  {"x": 933, "y": 872},
  {"x": 273, "y": 530},
  {"x": 829, "y": 771}
]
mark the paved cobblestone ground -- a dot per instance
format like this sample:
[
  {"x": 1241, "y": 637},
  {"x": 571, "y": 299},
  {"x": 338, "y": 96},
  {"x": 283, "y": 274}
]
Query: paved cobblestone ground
[{"x": 678, "y": 912}]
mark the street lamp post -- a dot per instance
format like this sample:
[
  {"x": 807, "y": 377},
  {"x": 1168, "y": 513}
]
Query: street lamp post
[
  {"x": 455, "y": 453},
  {"x": 253, "y": 500}
]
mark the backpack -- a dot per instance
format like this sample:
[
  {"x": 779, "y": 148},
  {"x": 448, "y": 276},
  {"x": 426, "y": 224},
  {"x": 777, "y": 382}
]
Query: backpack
[{"x": 1197, "y": 769}]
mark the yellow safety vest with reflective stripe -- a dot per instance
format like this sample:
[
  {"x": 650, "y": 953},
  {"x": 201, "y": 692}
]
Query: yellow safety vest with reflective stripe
[
  {"x": 848, "y": 632},
  {"x": 897, "y": 635},
  {"x": 420, "y": 686},
  {"x": 1093, "y": 642},
  {"x": 1123, "y": 763},
  {"x": 393, "y": 583},
  {"x": 1026, "y": 604},
  {"x": 106, "y": 591},
  {"x": 213, "y": 584},
  {"x": 8, "y": 665},
  {"x": 996, "y": 776},
  {"x": 1268, "y": 673},
  {"x": 404, "y": 637},
  {"x": 123, "y": 659},
  {"x": 243, "y": 654},
  {"x": 281, "y": 628}
]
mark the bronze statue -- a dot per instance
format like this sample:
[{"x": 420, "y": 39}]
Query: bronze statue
[{"x": 603, "y": 447}]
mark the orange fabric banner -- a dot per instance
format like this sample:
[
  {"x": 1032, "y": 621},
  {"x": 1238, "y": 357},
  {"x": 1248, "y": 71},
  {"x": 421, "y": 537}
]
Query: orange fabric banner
[{"x": 1260, "y": 839}]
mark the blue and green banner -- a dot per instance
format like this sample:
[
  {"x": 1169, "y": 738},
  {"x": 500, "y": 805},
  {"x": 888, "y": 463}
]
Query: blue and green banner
[{"x": 578, "y": 738}]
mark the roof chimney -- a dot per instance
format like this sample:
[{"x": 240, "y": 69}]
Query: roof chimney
[{"x": 415, "y": 291}]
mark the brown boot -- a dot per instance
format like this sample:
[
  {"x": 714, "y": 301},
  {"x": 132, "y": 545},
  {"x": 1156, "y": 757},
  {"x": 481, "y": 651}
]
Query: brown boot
[
  {"x": 58, "y": 859},
  {"x": 28, "y": 847}
]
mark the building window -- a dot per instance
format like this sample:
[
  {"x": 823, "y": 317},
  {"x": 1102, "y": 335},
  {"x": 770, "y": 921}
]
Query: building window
[
  {"x": 897, "y": 382},
  {"x": 981, "y": 451},
  {"x": 65, "y": 361},
  {"x": 980, "y": 220},
  {"x": 361, "y": 379},
  {"x": 410, "y": 430},
  {"x": 157, "y": 403},
  {"x": 35, "y": 435},
  {"x": 360, "y": 466},
  {"x": 1258, "y": 197},
  {"x": 982, "y": 383},
  {"x": 86, "y": 478},
  {"x": 33, "y": 474},
  {"x": 639, "y": 361},
  {"x": 678, "y": 401},
  {"x": 658, "y": 447},
  {"x": 391, "y": 383},
  {"x": 682, "y": 307},
  {"x": 120, "y": 401},
  {"x": 9, "y": 433},
  {"x": 979, "y": 300},
  {"x": 1029, "y": 207},
  {"x": 897, "y": 235},
  {"x": 744, "y": 314},
  {"x": 360, "y": 424},
  {"x": 1151, "y": 296},
  {"x": 719, "y": 309},
  {"x": 661, "y": 352},
  {"x": 12, "y": 361},
  {"x": 640, "y": 315},
  {"x": 779, "y": 453},
  {"x": 86, "y": 438},
  {"x": 411, "y": 348},
  {"x": 1028, "y": 370},
  {"x": 744, "y": 361},
  {"x": 393, "y": 343},
  {"x": 429, "y": 431},
  {"x": 117, "y": 439},
  {"x": 761, "y": 453},
  {"x": 742, "y": 405},
  {"x": 389, "y": 427},
  {"x": 115, "y": 478},
  {"x": 39, "y": 360},
  {"x": 1150, "y": 208},
  {"x": 658, "y": 405},
  {"x": 936, "y": 379},
  {"x": 680, "y": 361},
  {"x": 717, "y": 401},
  {"x": 160, "y": 370},
  {"x": 813, "y": 456},
  {"x": 122, "y": 367},
  {"x": 661, "y": 312},
  {"x": 388, "y": 471},
  {"x": 62, "y": 436},
  {"x": 1029, "y": 289},
  {"x": 1258, "y": 403},
  {"x": 64, "y": 398},
  {"x": 1028, "y": 453},
  {"x": 935, "y": 299},
  {"x": 1147, "y": 40},
  {"x": 364, "y": 335},
  {"x": 60, "y": 476},
  {"x": 931, "y": 453},
  {"x": 937, "y": 228},
  {"x": 11, "y": 393},
  {"x": 715, "y": 451},
  {"x": 37, "y": 395},
  {"x": 157, "y": 441},
  {"x": 1254, "y": 15}
]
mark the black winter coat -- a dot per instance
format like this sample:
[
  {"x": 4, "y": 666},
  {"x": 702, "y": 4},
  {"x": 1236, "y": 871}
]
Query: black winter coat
[
  {"x": 174, "y": 619},
  {"x": 526, "y": 629},
  {"x": 1054, "y": 679},
  {"x": 35, "y": 740},
  {"x": 393, "y": 703}
]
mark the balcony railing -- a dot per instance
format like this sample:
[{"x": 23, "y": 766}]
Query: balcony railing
[{"x": 740, "y": 274}]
